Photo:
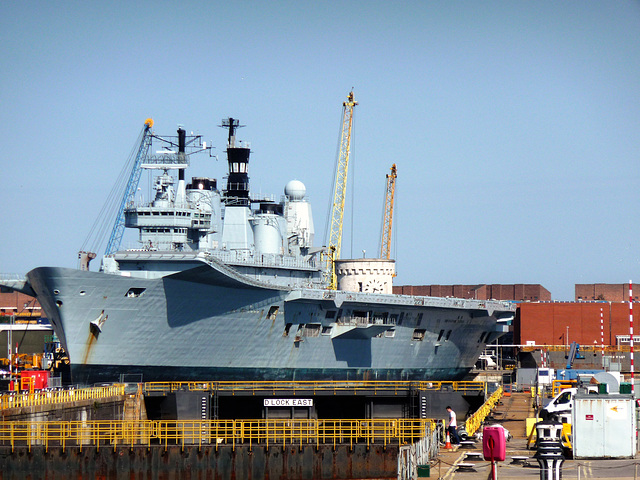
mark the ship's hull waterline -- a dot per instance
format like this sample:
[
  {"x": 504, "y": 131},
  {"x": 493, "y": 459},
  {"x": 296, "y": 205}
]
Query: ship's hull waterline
[{"x": 207, "y": 326}]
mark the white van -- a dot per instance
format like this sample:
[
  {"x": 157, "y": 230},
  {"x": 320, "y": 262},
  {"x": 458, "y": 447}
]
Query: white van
[{"x": 561, "y": 403}]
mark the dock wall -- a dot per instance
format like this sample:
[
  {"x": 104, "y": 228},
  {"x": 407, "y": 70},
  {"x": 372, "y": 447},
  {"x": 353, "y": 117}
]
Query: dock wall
[{"x": 224, "y": 462}]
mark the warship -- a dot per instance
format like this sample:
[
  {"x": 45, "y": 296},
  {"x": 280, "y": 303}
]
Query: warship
[{"x": 225, "y": 285}]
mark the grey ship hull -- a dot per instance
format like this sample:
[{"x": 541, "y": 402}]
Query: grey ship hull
[{"x": 201, "y": 324}]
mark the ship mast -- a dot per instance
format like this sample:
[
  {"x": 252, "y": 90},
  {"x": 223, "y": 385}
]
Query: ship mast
[{"x": 237, "y": 192}]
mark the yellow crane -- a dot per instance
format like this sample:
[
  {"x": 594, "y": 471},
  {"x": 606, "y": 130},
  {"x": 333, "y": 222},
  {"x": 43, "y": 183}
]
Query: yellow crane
[
  {"x": 340, "y": 191},
  {"x": 387, "y": 219}
]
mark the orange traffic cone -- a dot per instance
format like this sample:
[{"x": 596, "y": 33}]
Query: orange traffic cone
[{"x": 448, "y": 444}]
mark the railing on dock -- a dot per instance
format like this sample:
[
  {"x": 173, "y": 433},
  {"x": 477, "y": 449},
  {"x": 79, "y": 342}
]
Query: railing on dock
[
  {"x": 274, "y": 387},
  {"x": 265, "y": 432},
  {"x": 423, "y": 450},
  {"x": 375, "y": 387},
  {"x": 26, "y": 399},
  {"x": 474, "y": 422}
]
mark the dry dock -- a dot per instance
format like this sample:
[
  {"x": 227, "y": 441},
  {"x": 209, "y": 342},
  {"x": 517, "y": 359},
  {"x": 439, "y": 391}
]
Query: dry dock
[{"x": 66, "y": 435}]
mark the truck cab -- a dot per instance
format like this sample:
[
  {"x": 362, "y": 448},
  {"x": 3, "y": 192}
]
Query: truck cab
[{"x": 560, "y": 404}]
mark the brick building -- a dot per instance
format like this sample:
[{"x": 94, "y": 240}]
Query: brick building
[
  {"x": 19, "y": 304},
  {"x": 560, "y": 323},
  {"x": 611, "y": 292},
  {"x": 518, "y": 292}
]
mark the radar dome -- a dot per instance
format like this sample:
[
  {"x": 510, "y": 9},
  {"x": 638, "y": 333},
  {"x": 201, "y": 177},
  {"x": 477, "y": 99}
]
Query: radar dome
[{"x": 295, "y": 190}]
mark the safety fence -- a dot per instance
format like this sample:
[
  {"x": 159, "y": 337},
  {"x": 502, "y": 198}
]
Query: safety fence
[
  {"x": 54, "y": 396},
  {"x": 419, "y": 453},
  {"x": 275, "y": 387},
  {"x": 50, "y": 397},
  {"x": 473, "y": 423},
  {"x": 260, "y": 432}
]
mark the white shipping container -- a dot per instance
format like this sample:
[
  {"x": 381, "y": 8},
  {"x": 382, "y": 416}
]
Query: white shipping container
[{"x": 604, "y": 426}]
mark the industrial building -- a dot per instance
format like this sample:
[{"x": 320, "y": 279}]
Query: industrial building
[
  {"x": 518, "y": 292},
  {"x": 18, "y": 304},
  {"x": 561, "y": 323},
  {"x": 611, "y": 292}
]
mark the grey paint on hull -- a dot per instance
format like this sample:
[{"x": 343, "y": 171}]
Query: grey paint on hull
[{"x": 180, "y": 329}]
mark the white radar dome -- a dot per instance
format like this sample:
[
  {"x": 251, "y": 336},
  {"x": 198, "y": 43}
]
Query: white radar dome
[{"x": 295, "y": 190}]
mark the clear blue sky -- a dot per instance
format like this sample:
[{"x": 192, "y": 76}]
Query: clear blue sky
[{"x": 515, "y": 125}]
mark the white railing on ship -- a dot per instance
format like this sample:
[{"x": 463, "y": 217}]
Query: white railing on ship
[
  {"x": 265, "y": 260},
  {"x": 365, "y": 321}
]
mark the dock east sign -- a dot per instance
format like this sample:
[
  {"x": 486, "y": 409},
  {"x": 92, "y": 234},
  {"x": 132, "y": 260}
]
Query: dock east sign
[{"x": 288, "y": 402}]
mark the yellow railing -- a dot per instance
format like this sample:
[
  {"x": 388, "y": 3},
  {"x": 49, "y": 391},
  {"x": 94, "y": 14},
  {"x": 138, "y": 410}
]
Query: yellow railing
[
  {"x": 558, "y": 385},
  {"x": 25, "y": 399},
  {"x": 274, "y": 387},
  {"x": 20, "y": 400},
  {"x": 474, "y": 421},
  {"x": 98, "y": 433}
]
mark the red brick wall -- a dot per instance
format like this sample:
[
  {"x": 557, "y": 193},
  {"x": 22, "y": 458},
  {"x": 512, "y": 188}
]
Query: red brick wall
[
  {"x": 12, "y": 303},
  {"x": 612, "y": 292},
  {"x": 519, "y": 292},
  {"x": 546, "y": 323}
]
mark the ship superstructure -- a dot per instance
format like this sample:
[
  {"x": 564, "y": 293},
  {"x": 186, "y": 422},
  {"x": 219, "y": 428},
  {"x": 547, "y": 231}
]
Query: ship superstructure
[
  {"x": 195, "y": 222},
  {"x": 225, "y": 285}
]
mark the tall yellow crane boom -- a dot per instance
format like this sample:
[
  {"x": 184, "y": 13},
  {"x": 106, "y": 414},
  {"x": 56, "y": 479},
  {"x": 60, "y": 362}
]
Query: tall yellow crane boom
[
  {"x": 340, "y": 190},
  {"x": 387, "y": 220}
]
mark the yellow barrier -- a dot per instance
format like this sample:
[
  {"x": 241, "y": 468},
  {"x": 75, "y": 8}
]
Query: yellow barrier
[
  {"x": 266, "y": 432},
  {"x": 20, "y": 400},
  {"x": 474, "y": 421},
  {"x": 273, "y": 387},
  {"x": 25, "y": 399},
  {"x": 530, "y": 426},
  {"x": 558, "y": 385}
]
